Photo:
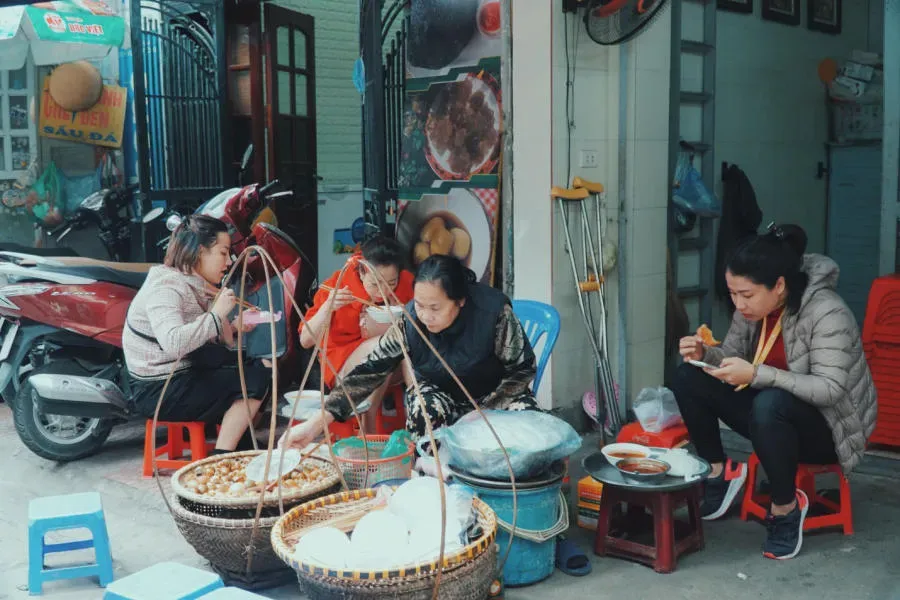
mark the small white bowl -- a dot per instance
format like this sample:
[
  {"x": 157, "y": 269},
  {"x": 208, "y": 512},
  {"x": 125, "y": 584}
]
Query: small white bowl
[
  {"x": 633, "y": 451},
  {"x": 305, "y": 398},
  {"x": 382, "y": 314}
]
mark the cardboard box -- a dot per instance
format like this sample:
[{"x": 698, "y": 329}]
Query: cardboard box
[
  {"x": 588, "y": 515},
  {"x": 588, "y": 506},
  {"x": 589, "y": 490}
]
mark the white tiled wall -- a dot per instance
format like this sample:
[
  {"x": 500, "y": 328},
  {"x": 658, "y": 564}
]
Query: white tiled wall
[
  {"x": 647, "y": 192},
  {"x": 770, "y": 110},
  {"x": 596, "y": 113},
  {"x": 531, "y": 166}
]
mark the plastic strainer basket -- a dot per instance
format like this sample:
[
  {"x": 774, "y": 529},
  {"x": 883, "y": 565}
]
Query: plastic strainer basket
[{"x": 350, "y": 457}]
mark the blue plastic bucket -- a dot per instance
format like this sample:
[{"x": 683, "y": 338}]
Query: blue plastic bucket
[{"x": 538, "y": 509}]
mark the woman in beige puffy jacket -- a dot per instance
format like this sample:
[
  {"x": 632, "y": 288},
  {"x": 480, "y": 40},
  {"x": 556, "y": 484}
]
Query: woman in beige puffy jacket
[{"x": 790, "y": 376}]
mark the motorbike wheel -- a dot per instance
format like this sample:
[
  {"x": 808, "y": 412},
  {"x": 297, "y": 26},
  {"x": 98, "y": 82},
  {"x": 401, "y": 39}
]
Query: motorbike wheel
[{"x": 56, "y": 437}]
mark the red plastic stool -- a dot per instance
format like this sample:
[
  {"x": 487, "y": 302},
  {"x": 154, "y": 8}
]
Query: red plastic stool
[
  {"x": 672, "y": 437},
  {"x": 663, "y": 554},
  {"x": 838, "y": 515},
  {"x": 339, "y": 431},
  {"x": 175, "y": 445},
  {"x": 388, "y": 424}
]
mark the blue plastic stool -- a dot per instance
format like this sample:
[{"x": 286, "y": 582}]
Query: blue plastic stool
[
  {"x": 232, "y": 593},
  {"x": 72, "y": 511},
  {"x": 164, "y": 581},
  {"x": 538, "y": 319}
]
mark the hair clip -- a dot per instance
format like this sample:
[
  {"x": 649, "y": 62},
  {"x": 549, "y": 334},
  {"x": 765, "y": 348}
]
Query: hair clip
[{"x": 775, "y": 230}]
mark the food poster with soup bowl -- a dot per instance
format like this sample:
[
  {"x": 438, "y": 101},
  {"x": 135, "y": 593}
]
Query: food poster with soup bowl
[{"x": 452, "y": 133}]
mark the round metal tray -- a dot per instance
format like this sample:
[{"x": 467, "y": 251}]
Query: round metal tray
[
  {"x": 554, "y": 473},
  {"x": 600, "y": 469}
]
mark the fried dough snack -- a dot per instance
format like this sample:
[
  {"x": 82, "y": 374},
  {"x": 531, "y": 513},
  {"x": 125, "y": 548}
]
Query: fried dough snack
[{"x": 706, "y": 335}]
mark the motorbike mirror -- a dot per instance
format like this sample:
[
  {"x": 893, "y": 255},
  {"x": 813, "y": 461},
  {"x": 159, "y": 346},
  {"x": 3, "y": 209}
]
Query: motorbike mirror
[
  {"x": 173, "y": 222},
  {"x": 248, "y": 154},
  {"x": 153, "y": 215}
]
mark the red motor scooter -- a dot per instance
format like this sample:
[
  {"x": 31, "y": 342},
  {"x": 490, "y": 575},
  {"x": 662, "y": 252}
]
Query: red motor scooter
[{"x": 62, "y": 369}]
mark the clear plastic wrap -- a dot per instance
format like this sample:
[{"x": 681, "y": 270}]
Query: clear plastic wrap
[{"x": 533, "y": 439}]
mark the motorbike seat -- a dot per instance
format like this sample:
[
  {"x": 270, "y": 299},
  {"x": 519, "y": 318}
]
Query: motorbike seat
[{"x": 130, "y": 275}]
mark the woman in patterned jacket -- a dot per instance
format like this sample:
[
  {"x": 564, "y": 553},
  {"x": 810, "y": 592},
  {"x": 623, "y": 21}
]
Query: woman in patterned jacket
[
  {"x": 474, "y": 329},
  {"x": 791, "y": 376}
]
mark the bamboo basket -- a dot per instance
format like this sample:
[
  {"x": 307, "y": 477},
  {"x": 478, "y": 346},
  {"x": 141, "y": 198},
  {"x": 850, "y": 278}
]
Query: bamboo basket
[
  {"x": 362, "y": 475},
  {"x": 292, "y": 496},
  {"x": 466, "y": 574},
  {"x": 222, "y": 535}
]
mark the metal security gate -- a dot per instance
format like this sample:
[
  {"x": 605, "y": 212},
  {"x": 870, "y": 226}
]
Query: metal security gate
[
  {"x": 179, "y": 83},
  {"x": 383, "y": 35}
]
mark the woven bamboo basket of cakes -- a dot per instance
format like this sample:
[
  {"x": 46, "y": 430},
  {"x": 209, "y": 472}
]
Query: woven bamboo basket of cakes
[
  {"x": 221, "y": 527},
  {"x": 465, "y": 575}
]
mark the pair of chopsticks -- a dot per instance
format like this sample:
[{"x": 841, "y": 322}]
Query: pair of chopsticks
[
  {"x": 243, "y": 303},
  {"x": 355, "y": 299}
]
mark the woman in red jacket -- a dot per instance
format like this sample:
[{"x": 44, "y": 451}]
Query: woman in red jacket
[{"x": 352, "y": 334}]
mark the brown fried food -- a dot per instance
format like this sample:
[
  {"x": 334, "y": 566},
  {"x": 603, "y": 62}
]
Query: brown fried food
[
  {"x": 706, "y": 335},
  {"x": 442, "y": 242},
  {"x": 462, "y": 242},
  {"x": 433, "y": 225}
]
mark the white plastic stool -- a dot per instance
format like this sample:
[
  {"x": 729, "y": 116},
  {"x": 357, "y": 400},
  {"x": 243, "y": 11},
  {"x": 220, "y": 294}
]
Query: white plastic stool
[{"x": 164, "y": 581}]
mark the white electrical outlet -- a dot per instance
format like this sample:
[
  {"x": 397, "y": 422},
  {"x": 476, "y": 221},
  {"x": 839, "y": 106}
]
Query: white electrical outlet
[{"x": 587, "y": 158}]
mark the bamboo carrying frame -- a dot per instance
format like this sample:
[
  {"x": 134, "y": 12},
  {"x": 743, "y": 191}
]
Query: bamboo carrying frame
[{"x": 320, "y": 349}]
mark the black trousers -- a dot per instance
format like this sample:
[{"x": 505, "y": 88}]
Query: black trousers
[
  {"x": 203, "y": 392},
  {"x": 784, "y": 430}
]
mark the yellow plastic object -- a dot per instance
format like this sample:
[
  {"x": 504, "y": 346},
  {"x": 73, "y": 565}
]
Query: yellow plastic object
[
  {"x": 568, "y": 194},
  {"x": 591, "y": 186},
  {"x": 267, "y": 215}
]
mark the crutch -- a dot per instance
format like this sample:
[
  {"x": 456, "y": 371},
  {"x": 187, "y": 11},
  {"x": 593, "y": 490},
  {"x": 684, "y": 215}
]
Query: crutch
[{"x": 590, "y": 291}]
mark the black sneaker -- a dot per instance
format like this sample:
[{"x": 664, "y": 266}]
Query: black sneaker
[
  {"x": 720, "y": 492},
  {"x": 784, "y": 535}
]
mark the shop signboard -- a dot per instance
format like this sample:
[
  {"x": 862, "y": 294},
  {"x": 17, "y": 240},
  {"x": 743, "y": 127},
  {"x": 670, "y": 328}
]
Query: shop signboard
[{"x": 101, "y": 125}]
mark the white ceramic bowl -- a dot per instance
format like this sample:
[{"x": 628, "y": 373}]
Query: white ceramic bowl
[
  {"x": 381, "y": 314},
  {"x": 305, "y": 398},
  {"x": 632, "y": 450}
]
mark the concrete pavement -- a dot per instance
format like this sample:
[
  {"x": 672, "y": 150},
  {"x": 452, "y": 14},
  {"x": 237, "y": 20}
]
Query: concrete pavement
[{"x": 861, "y": 567}]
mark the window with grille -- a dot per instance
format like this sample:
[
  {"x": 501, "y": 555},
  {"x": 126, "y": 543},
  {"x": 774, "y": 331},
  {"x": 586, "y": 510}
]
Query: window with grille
[{"x": 18, "y": 134}]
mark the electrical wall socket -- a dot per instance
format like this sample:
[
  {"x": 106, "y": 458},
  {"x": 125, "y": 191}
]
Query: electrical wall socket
[{"x": 587, "y": 158}]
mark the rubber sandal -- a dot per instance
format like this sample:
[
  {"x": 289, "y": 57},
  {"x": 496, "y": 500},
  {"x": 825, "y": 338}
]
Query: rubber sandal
[{"x": 570, "y": 559}]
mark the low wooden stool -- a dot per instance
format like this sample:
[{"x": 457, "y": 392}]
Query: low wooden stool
[{"x": 664, "y": 553}]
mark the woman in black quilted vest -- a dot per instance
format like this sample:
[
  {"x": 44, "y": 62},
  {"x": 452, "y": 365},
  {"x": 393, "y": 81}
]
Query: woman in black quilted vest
[
  {"x": 473, "y": 328},
  {"x": 790, "y": 376}
]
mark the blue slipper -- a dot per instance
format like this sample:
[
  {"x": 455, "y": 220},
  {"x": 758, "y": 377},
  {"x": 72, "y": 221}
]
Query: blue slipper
[{"x": 570, "y": 559}]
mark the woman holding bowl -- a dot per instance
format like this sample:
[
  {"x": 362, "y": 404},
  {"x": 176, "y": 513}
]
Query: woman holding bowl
[
  {"x": 353, "y": 334},
  {"x": 473, "y": 328},
  {"x": 791, "y": 376}
]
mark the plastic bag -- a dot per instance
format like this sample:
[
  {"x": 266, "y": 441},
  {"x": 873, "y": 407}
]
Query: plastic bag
[
  {"x": 48, "y": 197},
  {"x": 533, "y": 439},
  {"x": 76, "y": 189},
  {"x": 656, "y": 409},
  {"x": 690, "y": 193}
]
